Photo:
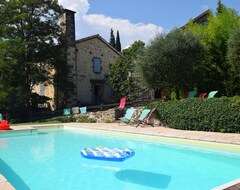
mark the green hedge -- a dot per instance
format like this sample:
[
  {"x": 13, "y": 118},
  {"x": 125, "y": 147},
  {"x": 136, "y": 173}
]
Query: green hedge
[{"x": 216, "y": 114}]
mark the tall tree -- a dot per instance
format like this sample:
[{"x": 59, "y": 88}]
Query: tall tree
[
  {"x": 120, "y": 70},
  {"x": 220, "y": 7},
  {"x": 29, "y": 31},
  {"x": 169, "y": 62},
  {"x": 112, "y": 39},
  {"x": 118, "y": 43},
  {"x": 233, "y": 55}
]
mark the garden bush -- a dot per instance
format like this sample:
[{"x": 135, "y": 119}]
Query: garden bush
[{"x": 216, "y": 114}]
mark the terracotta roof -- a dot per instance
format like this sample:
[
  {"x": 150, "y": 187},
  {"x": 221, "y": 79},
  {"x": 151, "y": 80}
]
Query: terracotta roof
[{"x": 100, "y": 38}]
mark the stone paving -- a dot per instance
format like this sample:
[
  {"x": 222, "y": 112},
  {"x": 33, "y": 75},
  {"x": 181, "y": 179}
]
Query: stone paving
[{"x": 229, "y": 138}]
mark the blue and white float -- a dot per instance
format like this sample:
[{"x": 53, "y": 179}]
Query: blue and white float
[{"x": 104, "y": 153}]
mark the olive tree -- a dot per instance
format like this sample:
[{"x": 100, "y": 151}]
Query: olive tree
[{"x": 171, "y": 61}]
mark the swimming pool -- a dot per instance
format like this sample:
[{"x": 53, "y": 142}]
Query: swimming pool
[{"x": 52, "y": 160}]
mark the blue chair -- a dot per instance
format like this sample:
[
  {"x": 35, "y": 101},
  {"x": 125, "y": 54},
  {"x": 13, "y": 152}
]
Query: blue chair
[
  {"x": 66, "y": 111},
  {"x": 1, "y": 117},
  {"x": 83, "y": 109},
  {"x": 128, "y": 115},
  {"x": 191, "y": 94}
]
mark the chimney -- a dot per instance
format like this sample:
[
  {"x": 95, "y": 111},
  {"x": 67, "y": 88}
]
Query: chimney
[{"x": 68, "y": 26}]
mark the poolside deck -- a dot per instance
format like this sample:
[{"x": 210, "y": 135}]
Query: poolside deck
[{"x": 229, "y": 138}]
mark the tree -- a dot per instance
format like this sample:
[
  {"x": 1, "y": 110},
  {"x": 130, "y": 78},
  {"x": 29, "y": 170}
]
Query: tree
[
  {"x": 119, "y": 71},
  {"x": 112, "y": 39},
  {"x": 29, "y": 32},
  {"x": 233, "y": 56},
  {"x": 221, "y": 7},
  {"x": 170, "y": 61},
  {"x": 118, "y": 43},
  {"x": 214, "y": 36}
]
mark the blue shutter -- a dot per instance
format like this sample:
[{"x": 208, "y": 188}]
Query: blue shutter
[{"x": 96, "y": 65}]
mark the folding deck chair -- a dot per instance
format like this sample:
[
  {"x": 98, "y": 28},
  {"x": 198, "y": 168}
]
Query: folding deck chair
[
  {"x": 212, "y": 94},
  {"x": 128, "y": 115},
  {"x": 122, "y": 103},
  {"x": 145, "y": 116}
]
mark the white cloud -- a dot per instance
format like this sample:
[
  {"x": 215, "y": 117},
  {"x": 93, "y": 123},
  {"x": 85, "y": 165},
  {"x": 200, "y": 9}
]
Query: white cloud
[
  {"x": 90, "y": 24},
  {"x": 80, "y": 6}
]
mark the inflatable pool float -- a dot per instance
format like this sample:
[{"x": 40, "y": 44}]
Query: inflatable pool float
[
  {"x": 104, "y": 153},
  {"x": 4, "y": 125}
]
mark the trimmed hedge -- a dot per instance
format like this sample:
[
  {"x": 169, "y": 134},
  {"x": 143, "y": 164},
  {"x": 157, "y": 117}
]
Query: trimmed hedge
[{"x": 216, "y": 114}]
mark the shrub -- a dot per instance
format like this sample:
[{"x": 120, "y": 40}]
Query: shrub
[{"x": 216, "y": 114}]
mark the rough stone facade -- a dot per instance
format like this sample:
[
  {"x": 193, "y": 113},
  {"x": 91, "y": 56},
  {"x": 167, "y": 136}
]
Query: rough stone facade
[
  {"x": 92, "y": 87},
  {"x": 46, "y": 89}
]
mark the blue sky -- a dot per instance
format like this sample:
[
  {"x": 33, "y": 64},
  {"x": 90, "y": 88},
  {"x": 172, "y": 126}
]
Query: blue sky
[{"x": 136, "y": 19}]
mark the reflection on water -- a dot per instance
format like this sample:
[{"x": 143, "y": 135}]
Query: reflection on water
[
  {"x": 43, "y": 150},
  {"x": 149, "y": 179}
]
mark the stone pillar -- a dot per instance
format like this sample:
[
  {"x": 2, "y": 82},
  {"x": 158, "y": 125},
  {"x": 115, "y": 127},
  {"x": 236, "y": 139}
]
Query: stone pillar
[{"x": 68, "y": 28}]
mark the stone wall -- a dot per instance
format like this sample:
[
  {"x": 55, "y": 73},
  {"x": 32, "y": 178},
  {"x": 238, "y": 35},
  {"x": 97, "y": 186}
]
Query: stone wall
[{"x": 109, "y": 116}]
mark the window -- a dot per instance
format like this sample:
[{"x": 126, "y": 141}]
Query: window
[
  {"x": 96, "y": 65},
  {"x": 41, "y": 93}
]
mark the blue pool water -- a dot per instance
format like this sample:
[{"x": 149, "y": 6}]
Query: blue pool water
[{"x": 51, "y": 160}]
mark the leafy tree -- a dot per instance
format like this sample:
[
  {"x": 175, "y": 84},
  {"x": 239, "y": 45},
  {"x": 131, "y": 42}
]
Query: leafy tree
[
  {"x": 170, "y": 61},
  {"x": 214, "y": 36},
  {"x": 112, "y": 39},
  {"x": 233, "y": 56},
  {"x": 29, "y": 31},
  {"x": 118, "y": 43},
  {"x": 120, "y": 70}
]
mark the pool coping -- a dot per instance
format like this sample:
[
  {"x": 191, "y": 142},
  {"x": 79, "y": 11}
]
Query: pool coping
[
  {"x": 232, "y": 185},
  {"x": 4, "y": 184}
]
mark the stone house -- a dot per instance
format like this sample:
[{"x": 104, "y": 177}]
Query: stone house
[
  {"x": 200, "y": 19},
  {"x": 94, "y": 56},
  {"x": 89, "y": 60}
]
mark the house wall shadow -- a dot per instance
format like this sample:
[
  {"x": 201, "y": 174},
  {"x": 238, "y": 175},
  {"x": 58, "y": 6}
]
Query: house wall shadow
[{"x": 144, "y": 178}]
